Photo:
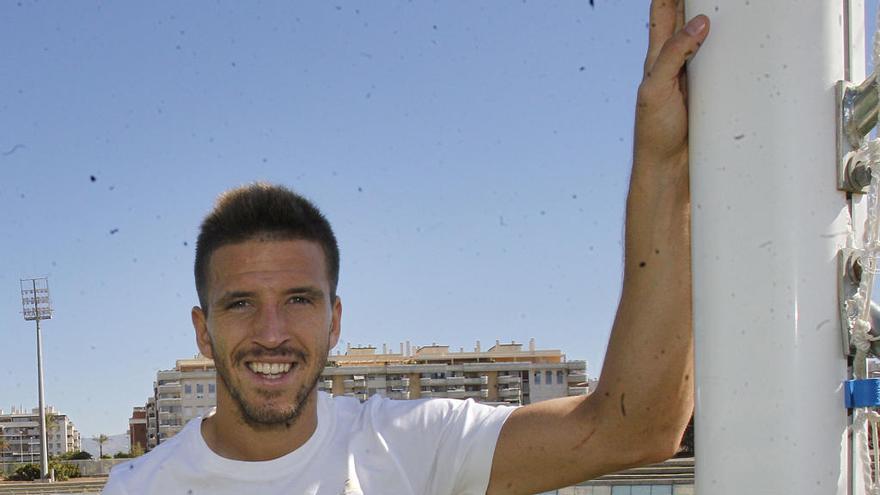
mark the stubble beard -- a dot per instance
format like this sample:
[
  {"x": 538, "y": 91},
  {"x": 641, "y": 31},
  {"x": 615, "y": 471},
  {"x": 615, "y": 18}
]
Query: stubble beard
[{"x": 267, "y": 417}]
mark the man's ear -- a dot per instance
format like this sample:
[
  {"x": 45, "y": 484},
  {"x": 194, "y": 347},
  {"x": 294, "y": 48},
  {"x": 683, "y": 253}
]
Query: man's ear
[
  {"x": 203, "y": 338},
  {"x": 335, "y": 323}
]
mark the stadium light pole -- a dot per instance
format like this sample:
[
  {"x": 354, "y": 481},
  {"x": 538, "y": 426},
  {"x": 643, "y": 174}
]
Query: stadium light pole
[{"x": 36, "y": 306}]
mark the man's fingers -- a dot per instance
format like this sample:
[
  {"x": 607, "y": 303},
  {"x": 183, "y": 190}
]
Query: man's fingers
[
  {"x": 678, "y": 49},
  {"x": 661, "y": 26}
]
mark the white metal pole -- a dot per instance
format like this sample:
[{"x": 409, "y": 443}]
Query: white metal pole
[
  {"x": 767, "y": 224},
  {"x": 44, "y": 451}
]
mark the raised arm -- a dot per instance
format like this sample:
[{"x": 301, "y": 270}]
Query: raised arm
[{"x": 645, "y": 395}]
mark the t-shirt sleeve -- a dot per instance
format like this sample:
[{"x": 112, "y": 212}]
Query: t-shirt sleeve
[{"x": 446, "y": 445}]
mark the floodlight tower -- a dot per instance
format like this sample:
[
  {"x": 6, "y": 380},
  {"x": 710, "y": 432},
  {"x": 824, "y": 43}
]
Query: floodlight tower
[{"x": 36, "y": 306}]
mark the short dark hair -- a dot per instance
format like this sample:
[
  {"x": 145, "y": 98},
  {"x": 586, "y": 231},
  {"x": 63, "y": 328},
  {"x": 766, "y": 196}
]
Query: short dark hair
[{"x": 258, "y": 209}]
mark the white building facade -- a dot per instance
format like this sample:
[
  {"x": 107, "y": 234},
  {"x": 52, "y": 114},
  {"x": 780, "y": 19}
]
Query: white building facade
[{"x": 20, "y": 432}]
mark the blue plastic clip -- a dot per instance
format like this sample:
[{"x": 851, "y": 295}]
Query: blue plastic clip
[{"x": 862, "y": 393}]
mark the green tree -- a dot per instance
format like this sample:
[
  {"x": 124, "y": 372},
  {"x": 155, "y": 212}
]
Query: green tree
[
  {"x": 75, "y": 456},
  {"x": 101, "y": 439},
  {"x": 137, "y": 450}
]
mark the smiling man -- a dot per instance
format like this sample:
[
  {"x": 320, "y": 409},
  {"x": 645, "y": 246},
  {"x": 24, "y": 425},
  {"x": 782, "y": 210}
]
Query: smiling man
[{"x": 267, "y": 266}]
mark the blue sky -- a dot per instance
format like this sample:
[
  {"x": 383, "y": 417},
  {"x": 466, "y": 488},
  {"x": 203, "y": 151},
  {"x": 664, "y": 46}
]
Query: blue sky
[{"x": 473, "y": 158}]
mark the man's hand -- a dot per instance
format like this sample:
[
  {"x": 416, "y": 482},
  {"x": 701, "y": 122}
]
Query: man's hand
[
  {"x": 661, "y": 113},
  {"x": 644, "y": 399}
]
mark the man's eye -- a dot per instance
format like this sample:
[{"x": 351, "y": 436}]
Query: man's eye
[
  {"x": 237, "y": 305},
  {"x": 299, "y": 300}
]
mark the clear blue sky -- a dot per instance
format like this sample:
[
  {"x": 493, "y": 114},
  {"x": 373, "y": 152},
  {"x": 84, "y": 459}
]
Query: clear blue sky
[{"x": 472, "y": 156}]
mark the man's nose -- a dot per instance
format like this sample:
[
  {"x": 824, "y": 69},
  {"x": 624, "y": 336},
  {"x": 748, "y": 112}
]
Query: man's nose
[{"x": 271, "y": 327}]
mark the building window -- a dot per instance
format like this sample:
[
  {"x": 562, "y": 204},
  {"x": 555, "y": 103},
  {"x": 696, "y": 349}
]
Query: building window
[
  {"x": 559, "y": 377},
  {"x": 188, "y": 389},
  {"x": 537, "y": 378},
  {"x": 549, "y": 375},
  {"x": 212, "y": 389}
]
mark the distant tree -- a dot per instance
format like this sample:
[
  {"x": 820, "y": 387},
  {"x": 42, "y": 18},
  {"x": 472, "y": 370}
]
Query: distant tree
[
  {"x": 76, "y": 456},
  {"x": 26, "y": 472},
  {"x": 137, "y": 450},
  {"x": 4, "y": 446},
  {"x": 101, "y": 439}
]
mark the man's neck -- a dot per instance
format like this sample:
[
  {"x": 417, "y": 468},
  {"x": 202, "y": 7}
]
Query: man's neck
[{"x": 229, "y": 436}]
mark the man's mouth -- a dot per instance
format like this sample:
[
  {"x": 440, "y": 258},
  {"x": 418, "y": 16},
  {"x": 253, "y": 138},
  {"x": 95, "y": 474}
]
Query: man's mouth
[{"x": 271, "y": 371}]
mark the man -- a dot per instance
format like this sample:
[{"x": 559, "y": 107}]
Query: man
[{"x": 266, "y": 270}]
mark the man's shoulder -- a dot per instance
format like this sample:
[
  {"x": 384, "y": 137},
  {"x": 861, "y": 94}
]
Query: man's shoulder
[
  {"x": 133, "y": 473},
  {"x": 382, "y": 412}
]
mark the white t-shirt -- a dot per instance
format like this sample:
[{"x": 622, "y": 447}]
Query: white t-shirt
[{"x": 382, "y": 447}]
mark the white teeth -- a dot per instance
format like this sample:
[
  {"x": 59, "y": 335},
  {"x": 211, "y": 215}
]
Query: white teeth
[{"x": 270, "y": 369}]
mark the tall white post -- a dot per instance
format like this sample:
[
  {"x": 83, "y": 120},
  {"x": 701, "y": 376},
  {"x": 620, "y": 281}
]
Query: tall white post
[{"x": 768, "y": 222}]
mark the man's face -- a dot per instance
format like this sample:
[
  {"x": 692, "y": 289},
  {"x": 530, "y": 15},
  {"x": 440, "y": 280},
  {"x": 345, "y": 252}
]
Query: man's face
[{"x": 270, "y": 325}]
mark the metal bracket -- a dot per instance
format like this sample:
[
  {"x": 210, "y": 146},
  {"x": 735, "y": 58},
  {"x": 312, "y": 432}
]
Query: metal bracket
[
  {"x": 849, "y": 275},
  {"x": 850, "y": 270},
  {"x": 856, "y": 116}
]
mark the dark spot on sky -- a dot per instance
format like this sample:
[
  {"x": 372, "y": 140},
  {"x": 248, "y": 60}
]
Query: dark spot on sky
[
  {"x": 265, "y": 159},
  {"x": 574, "y": 196},
  {"x": 113, "y": 231},
  {"x": 642, "y": 264},
  {"x": 360, "y": 189},
  {"x": 93, "y": 178},
  {"x": 593, "y": 3},
  {"x": 543, "y": 212},
  {"x": 233, "y": 64},
  {"x": 185, "y": 243},
  {"x": 739, "y": 136},
  {"x": 13, "y": 149},
  {"x": 434, "y": 27},
  {"x": 582, "y": 68}
]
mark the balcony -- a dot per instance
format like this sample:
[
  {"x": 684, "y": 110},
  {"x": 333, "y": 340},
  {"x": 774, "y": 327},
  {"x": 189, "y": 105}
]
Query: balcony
[
  {"x": 354, "y": 383},
  {"x": 508, "y": 379},
  {"x": 456, "y": 393},
  {"x": 433, "y": 382},
  {"x": 169, "y": 388},
  {"x": 509, "y": 392},
  {"x": 577, "y": 377},
  {"x": 376, "y": 383},
  {"x": 578, "y": 390},
  {"x": 455, "y": 381}
]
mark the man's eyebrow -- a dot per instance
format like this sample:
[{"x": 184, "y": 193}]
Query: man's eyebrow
[
  {"x": 312, "y": 292},
  {"x": 234, "y": 295}
]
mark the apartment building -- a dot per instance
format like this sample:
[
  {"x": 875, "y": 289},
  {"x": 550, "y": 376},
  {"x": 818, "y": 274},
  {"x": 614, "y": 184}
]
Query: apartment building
[
  {"x": 185, "y": 392},
  {"x": 137, "y": 429},
  {"x": 504, "y": 374},
  {"x": 20, "y": 431}
]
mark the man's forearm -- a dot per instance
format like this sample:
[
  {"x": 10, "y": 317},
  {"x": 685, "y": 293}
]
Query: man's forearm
[{"x": 647, "y": 378}]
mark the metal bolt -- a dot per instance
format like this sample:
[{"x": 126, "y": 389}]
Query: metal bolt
[{"x": 858, "y": 173}]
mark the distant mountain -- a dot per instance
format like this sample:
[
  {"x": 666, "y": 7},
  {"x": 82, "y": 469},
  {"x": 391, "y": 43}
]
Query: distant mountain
[{"x": 116, "y": 443}]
